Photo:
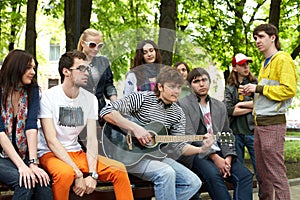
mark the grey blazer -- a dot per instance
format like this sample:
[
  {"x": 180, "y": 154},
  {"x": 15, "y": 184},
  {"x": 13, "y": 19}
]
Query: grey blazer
[{"x": 195, "y": 123}]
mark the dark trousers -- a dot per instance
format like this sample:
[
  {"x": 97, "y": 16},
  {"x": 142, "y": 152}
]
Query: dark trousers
[
  {"x": 241, "y": 177},
  {"x": 9, "y": 175}
]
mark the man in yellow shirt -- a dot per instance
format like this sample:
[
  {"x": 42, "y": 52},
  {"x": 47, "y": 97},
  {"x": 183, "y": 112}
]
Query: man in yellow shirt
[{"x": 277, "y": 84}]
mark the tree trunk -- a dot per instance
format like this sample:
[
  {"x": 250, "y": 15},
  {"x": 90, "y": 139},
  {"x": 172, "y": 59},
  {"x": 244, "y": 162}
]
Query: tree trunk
[
  {"x": 77, "y": 18},
  {"x": 274, "y": 15},
  {"x": 70, "y": 24},
  {"x": 30, "y": 35},
  {"x": 167, "y": 32},
  {"x": 86, "y": 9}
]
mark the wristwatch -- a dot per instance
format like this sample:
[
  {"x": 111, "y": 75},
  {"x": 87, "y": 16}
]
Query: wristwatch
[
  {"x": 94, "y": 175},
  {"x": 34, "y": 161}
]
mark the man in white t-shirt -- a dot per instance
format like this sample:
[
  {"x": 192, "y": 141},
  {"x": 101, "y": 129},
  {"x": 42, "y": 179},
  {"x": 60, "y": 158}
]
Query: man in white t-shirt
[{"x": 65, "y": 110}]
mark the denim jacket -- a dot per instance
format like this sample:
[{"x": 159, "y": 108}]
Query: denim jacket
[{"x": 102, "y": 86}]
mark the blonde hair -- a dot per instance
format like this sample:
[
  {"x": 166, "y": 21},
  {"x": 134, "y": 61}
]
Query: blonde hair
[{"x": 85, "y": 33}]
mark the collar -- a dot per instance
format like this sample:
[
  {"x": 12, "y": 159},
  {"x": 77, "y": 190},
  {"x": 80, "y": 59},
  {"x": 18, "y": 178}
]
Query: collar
[
  {"x": 206, "y": 99},
  {"x": 165, "y": 106}
]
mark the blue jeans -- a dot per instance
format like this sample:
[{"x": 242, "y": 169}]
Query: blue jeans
[
  {"x": 242, "y": 141},
  {"x": 9, "y": 175},
  {"x": 171, "y": 179},
  {"x": 241, "y": 178}
]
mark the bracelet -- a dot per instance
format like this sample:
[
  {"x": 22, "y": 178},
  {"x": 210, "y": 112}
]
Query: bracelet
[{"x": 34, "y": 161}]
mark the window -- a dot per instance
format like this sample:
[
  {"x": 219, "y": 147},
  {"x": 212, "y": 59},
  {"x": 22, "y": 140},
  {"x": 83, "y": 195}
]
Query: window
[
  {"x": 54, "y": 52},
  {"x": 52, "y": 82}
]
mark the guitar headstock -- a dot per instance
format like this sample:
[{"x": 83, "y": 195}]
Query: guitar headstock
[{"x": 225, "y": 138}]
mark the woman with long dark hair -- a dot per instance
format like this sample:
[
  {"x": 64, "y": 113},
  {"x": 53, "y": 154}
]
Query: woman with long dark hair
[
  {"x": 146, "y": 66},
  {"x": 19, "y": 100}
]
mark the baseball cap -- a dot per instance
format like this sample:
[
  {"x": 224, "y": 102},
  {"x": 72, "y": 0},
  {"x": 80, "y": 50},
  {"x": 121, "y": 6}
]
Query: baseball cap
[{"x": 240, "y": 59}]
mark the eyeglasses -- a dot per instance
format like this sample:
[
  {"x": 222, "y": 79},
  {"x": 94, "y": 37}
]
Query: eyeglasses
[
  {"x": 82, "y": 68},
  {"x": 173, "y": 86},
  {"x": 93, "y": 45}
]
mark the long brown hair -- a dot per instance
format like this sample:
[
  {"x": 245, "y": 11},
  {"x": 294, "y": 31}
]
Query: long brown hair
[
  {"x": 13, "y": 68},
  {"x": 139, "y": 53},
  {"x": 184, "y": 63},
  {"x": 233, "y": 78}
]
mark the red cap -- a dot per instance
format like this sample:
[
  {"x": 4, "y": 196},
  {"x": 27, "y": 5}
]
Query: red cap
[{"x": 240, "y": 59}]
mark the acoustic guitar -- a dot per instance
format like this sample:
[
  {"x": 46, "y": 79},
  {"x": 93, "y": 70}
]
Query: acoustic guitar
[{"x": 121, "y": 145}]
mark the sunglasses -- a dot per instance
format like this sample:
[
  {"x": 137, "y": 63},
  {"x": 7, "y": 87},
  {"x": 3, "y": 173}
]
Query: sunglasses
[
  {"x": 82, "y": 68},
  {"x": 93, "y": 45}
]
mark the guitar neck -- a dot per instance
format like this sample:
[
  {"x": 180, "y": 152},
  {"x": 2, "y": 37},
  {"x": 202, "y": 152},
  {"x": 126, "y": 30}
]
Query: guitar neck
[{"x": 178, "y": 138}]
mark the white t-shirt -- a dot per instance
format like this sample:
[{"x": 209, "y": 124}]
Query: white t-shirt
[{"x": 69, "y": 116}]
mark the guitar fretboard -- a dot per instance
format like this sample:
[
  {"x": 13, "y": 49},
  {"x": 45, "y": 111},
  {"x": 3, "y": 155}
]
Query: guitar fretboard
[{"x": 178, "y": 138}]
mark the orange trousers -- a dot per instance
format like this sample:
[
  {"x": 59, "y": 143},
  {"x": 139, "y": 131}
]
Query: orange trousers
[{"x": 63, "y": 174}]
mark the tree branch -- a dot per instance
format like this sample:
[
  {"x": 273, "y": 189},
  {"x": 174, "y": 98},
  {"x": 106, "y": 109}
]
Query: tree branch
[{"x": 296, "y": 52}]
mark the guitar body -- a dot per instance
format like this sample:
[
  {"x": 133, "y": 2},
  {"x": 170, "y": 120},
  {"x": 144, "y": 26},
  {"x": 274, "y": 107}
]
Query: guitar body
[
  {"x": 121, "y": 145},
  {"x": 115, "y": 144}
]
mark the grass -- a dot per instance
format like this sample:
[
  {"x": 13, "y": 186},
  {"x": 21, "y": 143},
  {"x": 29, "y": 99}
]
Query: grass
[
  {"x": 291, "y": 148},
  {"x": 293, "y": 133},
  {"x": 292, "y": 151}
]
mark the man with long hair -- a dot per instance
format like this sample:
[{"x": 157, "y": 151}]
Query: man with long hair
[
  {"x": 239, "y": 107},
  {"x": 171, "y": 179}
]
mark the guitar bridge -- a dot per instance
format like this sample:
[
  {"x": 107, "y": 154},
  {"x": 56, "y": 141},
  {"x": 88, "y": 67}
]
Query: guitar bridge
[{"x": 129, "y": 140}]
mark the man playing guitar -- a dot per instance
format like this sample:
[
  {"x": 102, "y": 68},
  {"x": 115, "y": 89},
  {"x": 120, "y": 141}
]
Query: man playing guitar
[{"x": 171, "y": 179}]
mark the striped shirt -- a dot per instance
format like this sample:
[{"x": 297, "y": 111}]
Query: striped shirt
[{"x": 146, "y": 108}]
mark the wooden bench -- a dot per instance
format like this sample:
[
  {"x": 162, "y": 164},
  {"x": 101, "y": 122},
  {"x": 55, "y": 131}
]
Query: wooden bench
[
  {"x": 5, "y": 192},
  {"x": 142, "y": 190}
]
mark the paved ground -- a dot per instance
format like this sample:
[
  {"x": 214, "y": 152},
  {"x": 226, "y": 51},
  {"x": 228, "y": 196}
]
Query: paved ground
[{"x": 294, "y": 186}]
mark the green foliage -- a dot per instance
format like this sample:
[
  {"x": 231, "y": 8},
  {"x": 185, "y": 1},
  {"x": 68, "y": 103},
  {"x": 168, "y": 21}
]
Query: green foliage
[
  {"x": 207, "y": 30},
  {"x": 12, "y": 21},
  {"x": 133, "y": 21},
  {"x": 54, "y": 8},
  {"x": 293, "y": 133},
  {"x": 292, "y": 151},
  {"x": 224, "y": 28},
  {"x": 124, "y": 24}
]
